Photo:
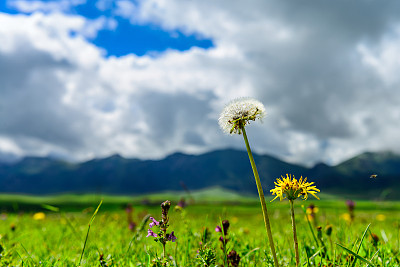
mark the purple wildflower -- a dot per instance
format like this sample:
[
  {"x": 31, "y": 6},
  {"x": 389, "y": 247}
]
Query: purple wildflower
[
  {"x": 154, "y": 222},
  {"x": 132, "y": 226},
  {"x": 171, "y": 237},
  {"x": 350, "y": 204},
  {"x": 233, "y": 258},
  {"x": 225, "y": 226},
  {"x": 151, "y": 233},
  {"x": 129, "y": 209},
  {"x": 218, "y": 229},
  {"x": 181, "y": 203}
]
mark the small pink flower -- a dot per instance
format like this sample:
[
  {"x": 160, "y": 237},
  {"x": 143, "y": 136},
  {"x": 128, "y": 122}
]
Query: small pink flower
[
  {"x": 151, "y": 233},
  {"x": 154, "y": 222}
]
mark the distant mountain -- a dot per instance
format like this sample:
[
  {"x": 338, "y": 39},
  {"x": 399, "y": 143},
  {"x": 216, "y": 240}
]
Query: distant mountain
[{"x": 229, "y": 169}]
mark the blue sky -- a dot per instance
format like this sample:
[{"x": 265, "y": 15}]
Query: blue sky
[
  {"x": 90, "y": 78},
  {"x": 125, "y": 37}
]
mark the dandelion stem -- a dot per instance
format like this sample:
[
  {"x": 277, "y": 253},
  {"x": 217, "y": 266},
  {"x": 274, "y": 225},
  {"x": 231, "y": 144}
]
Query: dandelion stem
[
  {"x": 262, "y": 199},
  {"x": 296, "y": 245}
]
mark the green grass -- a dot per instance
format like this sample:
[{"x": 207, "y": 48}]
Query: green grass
[{"x": 59, "y": 239}]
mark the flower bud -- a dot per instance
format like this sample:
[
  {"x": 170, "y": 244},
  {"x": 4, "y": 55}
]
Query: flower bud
[{"x": 328, "y": 230}]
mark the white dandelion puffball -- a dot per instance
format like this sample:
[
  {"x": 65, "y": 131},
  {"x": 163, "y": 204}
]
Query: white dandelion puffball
[{"x": 239, "y": 112}]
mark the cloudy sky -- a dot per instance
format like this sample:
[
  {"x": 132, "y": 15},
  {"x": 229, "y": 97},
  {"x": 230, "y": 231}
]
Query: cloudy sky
[{"x": 90, "y": 78}]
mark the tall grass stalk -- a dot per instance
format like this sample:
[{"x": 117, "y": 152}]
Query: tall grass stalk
[
  {"x": 87, "y": 233},
  {"x": 262, "y": 199}
]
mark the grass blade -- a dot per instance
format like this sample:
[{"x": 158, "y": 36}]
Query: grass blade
[
  {"x": 309, "y": 224},
  {"x": 138, "y": 231},
  {"x": 50, "y": 207},
  {"x": 374, "y": 255},
  {"x": 356, "y": 255},
  {"x": 361, "y": 241},
  {"x": 87, "y": 233}
]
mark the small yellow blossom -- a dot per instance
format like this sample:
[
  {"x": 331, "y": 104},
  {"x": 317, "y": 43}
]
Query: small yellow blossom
[
  {"x": 346, "y": 217},
  {"x": 312, "y": 210},
  {"x": 291, "y": 188},
  {"x": 39, "y": 216},
  {"x": 380, "y": 217},
  {"x": 309, "y": 217}
]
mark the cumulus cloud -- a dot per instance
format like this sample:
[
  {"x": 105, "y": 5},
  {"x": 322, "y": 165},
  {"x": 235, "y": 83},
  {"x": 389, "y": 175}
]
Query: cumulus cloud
[
  {"x": 326, "y": 73},
  {"x": 44, "y": 6}
]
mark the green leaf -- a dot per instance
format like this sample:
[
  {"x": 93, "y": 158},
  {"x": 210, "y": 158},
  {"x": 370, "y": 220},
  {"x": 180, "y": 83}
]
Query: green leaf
[
  {"x": 356, "y": 255},
  {"x": 49, "y": 207},
  {"x": 95, "y": 212},
  {"x": 361, "y": 241}
]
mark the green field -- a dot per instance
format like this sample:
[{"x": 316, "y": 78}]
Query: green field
[{"x": 59, "y": 238}]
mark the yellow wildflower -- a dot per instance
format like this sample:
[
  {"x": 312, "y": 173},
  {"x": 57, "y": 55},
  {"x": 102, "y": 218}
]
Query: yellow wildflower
[
  {"x": 291, "y": 188},
  {"x": 346, "y": 217},
  {"x": 380, "y": 217},
  {"x": 39, "y": 216},
  {"x": 313, "y": 210}
]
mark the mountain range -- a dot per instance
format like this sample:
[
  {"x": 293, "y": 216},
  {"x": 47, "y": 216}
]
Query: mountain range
[{"x": 228, "y": 168}]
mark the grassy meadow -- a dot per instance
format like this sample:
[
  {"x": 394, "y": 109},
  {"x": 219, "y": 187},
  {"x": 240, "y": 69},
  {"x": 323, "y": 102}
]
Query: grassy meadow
[{"x": 53, "y": 231}]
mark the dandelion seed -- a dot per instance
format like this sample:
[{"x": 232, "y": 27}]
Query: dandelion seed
[{"x": 239, "y": 113}]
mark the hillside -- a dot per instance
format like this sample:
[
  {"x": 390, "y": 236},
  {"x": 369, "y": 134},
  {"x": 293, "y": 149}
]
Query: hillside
[{"x": 229, "y": 169}]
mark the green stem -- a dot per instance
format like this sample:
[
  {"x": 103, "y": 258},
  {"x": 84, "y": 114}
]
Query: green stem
[
  {"x": 262, "y": 199},
  {"x": 163, "y": 247},
  {"x": 296, "y": 245}
]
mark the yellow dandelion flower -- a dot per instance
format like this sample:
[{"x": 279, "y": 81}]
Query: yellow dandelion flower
[
  {"x": 39, "y": 216},
  {"x": 291, "y": 188},
  {"x": 380, "y": 217},
  {"x": 346, "y": 217}
]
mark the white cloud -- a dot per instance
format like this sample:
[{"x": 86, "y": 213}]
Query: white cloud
[
  {"x": 327, "y": 77},
  {"x": 44, "y": 6}
]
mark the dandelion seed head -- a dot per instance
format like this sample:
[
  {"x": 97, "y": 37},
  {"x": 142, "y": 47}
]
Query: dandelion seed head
[{"x": 238, "y": 113}]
